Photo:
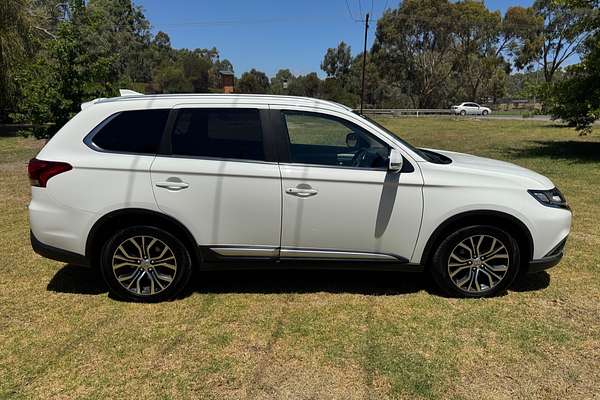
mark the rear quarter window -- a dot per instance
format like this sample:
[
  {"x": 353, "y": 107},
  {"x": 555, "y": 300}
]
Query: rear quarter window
[{"x": 138, "y": 131}]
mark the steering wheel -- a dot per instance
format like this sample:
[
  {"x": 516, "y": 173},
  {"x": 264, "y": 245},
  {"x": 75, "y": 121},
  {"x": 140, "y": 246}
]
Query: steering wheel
[{"x": 359, "y": 157}]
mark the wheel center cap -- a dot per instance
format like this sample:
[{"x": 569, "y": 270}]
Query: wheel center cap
[
  {"x": 145, "y": 264},
  {"x": 477, "y": 262}
]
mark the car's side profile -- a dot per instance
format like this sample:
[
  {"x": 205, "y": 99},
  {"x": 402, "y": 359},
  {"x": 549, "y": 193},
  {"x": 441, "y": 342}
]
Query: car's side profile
[
  {"x": 150, "y": 188},
  {"x": 471, "y": 109}
]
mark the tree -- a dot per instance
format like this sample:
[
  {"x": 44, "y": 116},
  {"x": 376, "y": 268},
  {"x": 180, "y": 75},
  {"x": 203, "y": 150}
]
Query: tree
[
  {"x": 254, "y": 81},
  {"x": 62, "y": 77},
  {"x": 336, "y": 62},
  {"x": 170, "y": 78},
  {"x": 576, "y": 99},
  {"x": 413, "y": 48},
  {"x": 560, "y": 33},
  {"x": 196, "y": 67},
  {"x": 120, "y": 29},
  {"x": 478, "y": 50},
  {"x": 277, "y": 82},
  {"x": 23, "y": 23}
]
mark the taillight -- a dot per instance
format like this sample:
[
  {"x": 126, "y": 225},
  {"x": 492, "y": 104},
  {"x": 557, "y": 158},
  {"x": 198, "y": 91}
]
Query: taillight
[{"x": 40, "y": 171}]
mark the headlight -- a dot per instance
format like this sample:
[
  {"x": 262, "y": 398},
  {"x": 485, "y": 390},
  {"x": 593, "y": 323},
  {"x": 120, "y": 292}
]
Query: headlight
[{"x": 550, "y": 198}]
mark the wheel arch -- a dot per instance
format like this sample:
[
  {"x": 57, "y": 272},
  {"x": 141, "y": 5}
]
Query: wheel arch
[
  {"x": 508, "y": 222},
  {"x": 107, "y": 224}
]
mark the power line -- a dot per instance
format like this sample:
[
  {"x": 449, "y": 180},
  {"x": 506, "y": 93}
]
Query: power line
[{"x": 350, "y": 12}]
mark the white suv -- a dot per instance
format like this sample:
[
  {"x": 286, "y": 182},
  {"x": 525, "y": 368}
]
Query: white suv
[
  {"x": 471, "y": 109},
  {"x": 150, "y": 188}
]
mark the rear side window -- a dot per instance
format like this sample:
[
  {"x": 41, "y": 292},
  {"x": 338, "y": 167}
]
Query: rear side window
[
  {"x": 219, "y": 133},
  {"x": 137, "y": 131}
]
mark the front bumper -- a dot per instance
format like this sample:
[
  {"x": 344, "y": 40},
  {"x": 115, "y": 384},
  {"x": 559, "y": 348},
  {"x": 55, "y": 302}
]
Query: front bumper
[{"x": 549, "y": 260}]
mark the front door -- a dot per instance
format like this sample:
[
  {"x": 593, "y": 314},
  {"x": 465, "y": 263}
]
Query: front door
[
  {"x": 218, "y": 179},
  {"x": 339, "y": 199}
]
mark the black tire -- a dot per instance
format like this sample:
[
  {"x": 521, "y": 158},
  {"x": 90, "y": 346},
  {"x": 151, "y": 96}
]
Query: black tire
[
  {"x": 463, "y": 113},
  {"x": 484, "y": 113},
  {"x": 159, "y": 289},
  {"x": 439, "y": 265}
]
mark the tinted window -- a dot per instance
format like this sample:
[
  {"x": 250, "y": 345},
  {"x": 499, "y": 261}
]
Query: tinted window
[
  {"x": 327, "y": 140},
  {"x": 220, "y": 133},
  {"x": 133, "y": 131}
]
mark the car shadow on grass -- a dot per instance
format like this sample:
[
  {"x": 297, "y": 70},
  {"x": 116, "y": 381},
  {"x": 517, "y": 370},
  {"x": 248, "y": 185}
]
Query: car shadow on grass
[
  {"x": 374, "y": 283},
  {"x": 80, "y": 280},
  {"x": 87, "y": 281},
  {"x": 76, "y": 279},
  {"x": 577, "y": 151}
]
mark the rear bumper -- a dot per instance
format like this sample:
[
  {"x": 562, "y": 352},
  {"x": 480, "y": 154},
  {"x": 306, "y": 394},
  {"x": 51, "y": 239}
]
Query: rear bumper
[
  {"x": 57, "y": 254},
  {"x": 548, "y": 261}
]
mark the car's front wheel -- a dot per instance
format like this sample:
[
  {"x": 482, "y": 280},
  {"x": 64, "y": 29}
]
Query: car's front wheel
[
  {"x": 476, "y": 261},
  {"x": 463, "y": 113},
  {"x": 484, "y": 113},
  {"x": 146, "y": 264}
]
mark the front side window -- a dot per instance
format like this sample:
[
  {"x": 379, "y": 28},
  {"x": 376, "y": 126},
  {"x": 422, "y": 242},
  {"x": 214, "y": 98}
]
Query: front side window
[
  {"x": 138, "y": 131},
  {"x": 218, "y": 133},
  {"x": 326, "y": 140}
]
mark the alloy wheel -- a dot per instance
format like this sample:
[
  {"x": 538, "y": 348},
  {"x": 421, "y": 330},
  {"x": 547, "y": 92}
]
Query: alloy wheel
[
  {"x": 478, "y": 263},
  {"x": 144, "y": 265}
]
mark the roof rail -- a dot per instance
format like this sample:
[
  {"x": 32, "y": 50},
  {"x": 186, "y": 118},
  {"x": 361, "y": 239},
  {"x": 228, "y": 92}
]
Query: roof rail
[{"x": 127, "y": 92}]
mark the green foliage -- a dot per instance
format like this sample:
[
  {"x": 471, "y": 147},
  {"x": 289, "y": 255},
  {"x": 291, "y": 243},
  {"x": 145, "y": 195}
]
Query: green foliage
[
  {"x": 576, "y": 99},
  {"x": 170, "y": 78},
  {"x": 253, "y": 81},
  {"x": 17, "y": 42},
  {"x": 277, "y": 82},
  {"x": 95, "y": 48},
  {"x": 336, "y": 62},
  {"x": 558, "y": 30},
  {"x": 62, "y": 77},
  {"x": 437, "y": 52},
  {"x": 426, "y": 54}
]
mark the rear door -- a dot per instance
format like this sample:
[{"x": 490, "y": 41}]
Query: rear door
[{"x": 217, "y": 175}]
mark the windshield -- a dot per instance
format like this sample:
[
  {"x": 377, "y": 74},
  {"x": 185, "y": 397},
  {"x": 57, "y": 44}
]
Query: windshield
[{"x": 420, "y": 152}]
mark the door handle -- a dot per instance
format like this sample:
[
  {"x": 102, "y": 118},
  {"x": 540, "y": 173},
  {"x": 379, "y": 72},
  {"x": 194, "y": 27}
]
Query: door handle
[
  {"x": 301, "y": 192},
  {"x": 172, "y": 185}
]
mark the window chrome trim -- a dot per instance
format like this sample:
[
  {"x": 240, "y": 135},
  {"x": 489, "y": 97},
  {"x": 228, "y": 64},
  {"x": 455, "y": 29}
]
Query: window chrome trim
[
  {"x": 332, "y": 166},
  {"x": 243, "y": 160}
]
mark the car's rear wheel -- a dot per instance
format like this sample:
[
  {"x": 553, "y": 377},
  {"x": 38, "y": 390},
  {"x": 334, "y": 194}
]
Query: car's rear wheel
[
  {"x": 476, "y": 261},
  {"x": 463, "y": 113},
  {"x": 146, "y": 264}
]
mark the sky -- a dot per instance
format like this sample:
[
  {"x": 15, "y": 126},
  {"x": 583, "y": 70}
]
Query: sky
[{"x": 268, "y": 34}]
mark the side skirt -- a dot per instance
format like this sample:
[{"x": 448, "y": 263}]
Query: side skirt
[{"x": 263, "y": 257}]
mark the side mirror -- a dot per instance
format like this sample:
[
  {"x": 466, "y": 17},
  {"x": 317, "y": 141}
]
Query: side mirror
[
  {"x": 352, "y": 140},
  {"x": 396, "y": 161}
]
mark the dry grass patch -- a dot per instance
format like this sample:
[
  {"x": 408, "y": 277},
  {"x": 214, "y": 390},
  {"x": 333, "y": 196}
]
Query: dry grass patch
[{"x": 314, "y": 334}]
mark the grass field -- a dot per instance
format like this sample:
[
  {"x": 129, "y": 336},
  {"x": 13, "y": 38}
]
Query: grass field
[{"x": 314, "y": 335}]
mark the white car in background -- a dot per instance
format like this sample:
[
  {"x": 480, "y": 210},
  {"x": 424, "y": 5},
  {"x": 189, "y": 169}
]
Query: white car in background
[
  {"x": 471, "y": 109},
  {"x": 150, "y": 188}
]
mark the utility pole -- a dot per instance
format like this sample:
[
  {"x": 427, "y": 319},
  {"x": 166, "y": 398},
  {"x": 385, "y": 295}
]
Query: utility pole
[{"x": 362, "y": 89}]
